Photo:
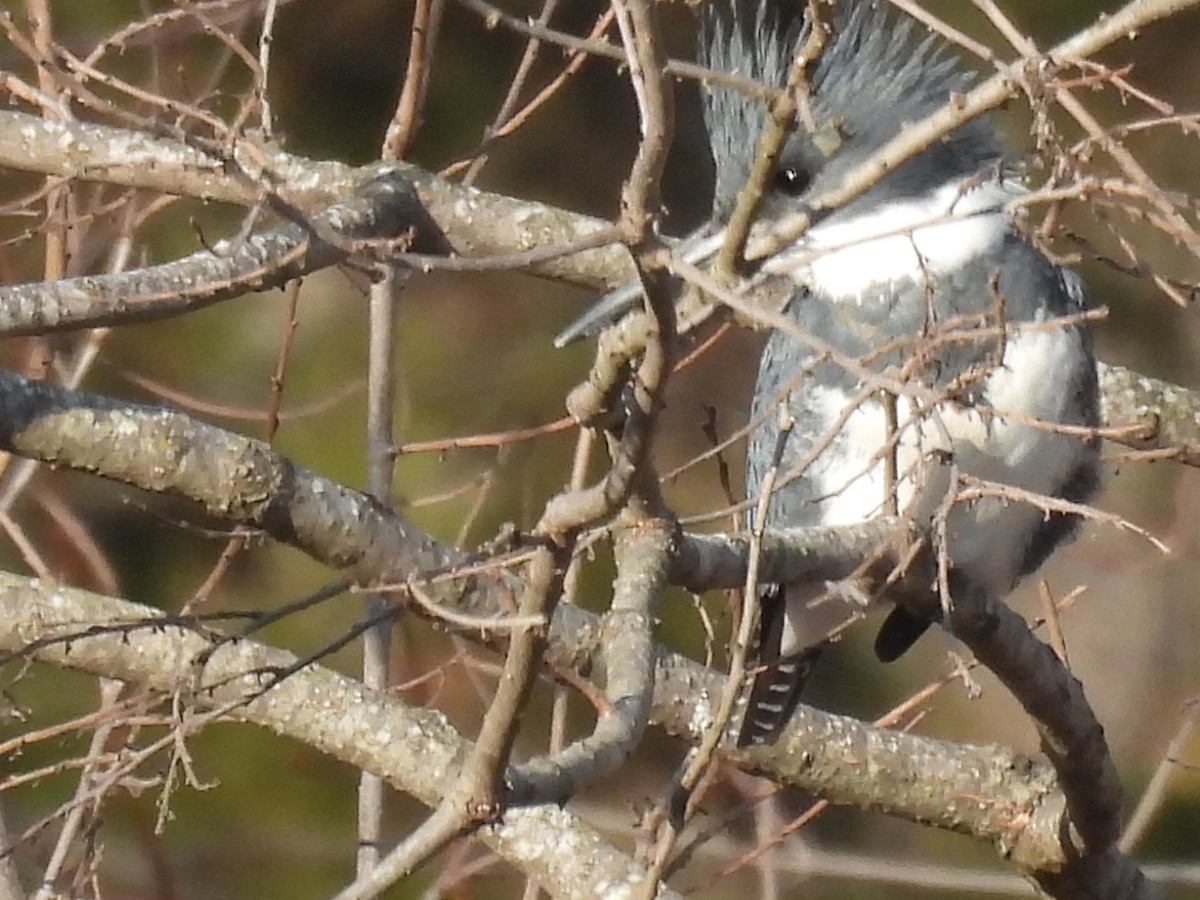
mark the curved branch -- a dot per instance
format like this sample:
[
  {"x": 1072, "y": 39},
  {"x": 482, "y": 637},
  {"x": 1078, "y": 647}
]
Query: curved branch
[
  {"x": 482, "y": 223},
  {"x": 988, "y": 792},
  {"x": 628, "y": 657},
  {"x": 383, "y": 209},
  {"x": 1160, "y": 416},
  {"x": 416, "y": 750},
  {"x": 1071, "y": 737}
]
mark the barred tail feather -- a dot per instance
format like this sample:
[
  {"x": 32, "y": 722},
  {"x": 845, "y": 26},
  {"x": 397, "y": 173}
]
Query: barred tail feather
[{"x": 779, "y": 679}]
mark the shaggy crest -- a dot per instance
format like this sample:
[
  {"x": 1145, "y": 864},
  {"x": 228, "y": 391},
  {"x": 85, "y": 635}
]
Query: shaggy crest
[{"x": 875, "y": 75}]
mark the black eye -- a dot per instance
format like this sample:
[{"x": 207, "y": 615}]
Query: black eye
[{"x": 792, "y": 181}]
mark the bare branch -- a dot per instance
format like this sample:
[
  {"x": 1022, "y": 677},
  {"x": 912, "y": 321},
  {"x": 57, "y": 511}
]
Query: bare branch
[
  {"x": 1058, "y": 827},
  {"x": 1167, "y": 415},
  {"x": 1072, "y": 739},
  {"x": 413, "y": 749},
  {"x": 627, "y": 658},
  {"x": 482, "y": 223},
  {"x": 385, "y": 208},
  {"x": 248, "y": 483}
]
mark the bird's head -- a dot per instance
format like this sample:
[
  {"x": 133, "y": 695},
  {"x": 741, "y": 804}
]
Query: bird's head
[{"x": 874, "y": 76}]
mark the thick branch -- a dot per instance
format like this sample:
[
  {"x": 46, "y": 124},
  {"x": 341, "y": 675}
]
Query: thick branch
[
  {"x": 985, "y": 791},
  {"x": 414, "y": 749},
  {"x": 383, "y": 208},
  {"x": 702, "y": 562},
  {"x": 481, "y": 223},
  {"x": 1073, "y": 740},
  {"x": 241, "y": 480},
  {"x": 1162, "y": 416}
]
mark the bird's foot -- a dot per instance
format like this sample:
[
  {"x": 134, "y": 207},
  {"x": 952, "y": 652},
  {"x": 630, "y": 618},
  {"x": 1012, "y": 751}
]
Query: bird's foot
[{"x": 849, "y": 592}]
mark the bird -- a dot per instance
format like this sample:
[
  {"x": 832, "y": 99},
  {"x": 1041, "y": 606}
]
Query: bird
[{"x": 931, "y": 345}]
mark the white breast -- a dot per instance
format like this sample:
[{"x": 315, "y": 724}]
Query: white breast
[
  {"x": 903, "y": 239},
  {"x": 844, "y": 261},
  {"x": 987, "y": 537}
]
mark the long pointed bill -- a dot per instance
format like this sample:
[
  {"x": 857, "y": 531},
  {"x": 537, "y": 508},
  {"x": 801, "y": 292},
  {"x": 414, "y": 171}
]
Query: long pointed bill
[{"x": 698, "y": 247}]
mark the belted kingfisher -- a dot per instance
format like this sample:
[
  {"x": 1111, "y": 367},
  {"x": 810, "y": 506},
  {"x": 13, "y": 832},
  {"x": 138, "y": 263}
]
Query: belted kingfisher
[{"x": 970, "y": 352}]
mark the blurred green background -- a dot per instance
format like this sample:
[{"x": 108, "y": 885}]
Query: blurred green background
[{"x": 475, "y": 356}]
